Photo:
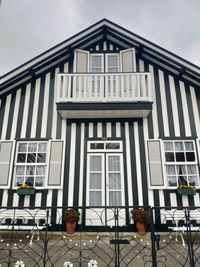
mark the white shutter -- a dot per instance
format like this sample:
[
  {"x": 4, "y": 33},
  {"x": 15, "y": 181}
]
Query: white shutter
[
  {"x": 155, "y": 163},
  {"x": 6, "y": 156},
  {"x": 55, "y": 164},
  {"x": 81, "y": 61},
  {"x": 127, "y": 59}
]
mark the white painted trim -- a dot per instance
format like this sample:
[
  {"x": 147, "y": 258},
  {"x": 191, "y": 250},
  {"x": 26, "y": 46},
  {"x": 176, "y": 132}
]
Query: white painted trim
[
  {"x": 25, "y": 113},
  {"x": 6, "y": 115},
  {"x": 55, "y": 113},
  {"x": 15, "y": 115},
  {"x": 195, "y": 109},
  {"x": 81, "y": 172},
  {"x": 45, "y": 105},
  {"x": 99, "y": 130},
  {"x": 106, "y": 61},
  {"x": 108, "y": 129}
]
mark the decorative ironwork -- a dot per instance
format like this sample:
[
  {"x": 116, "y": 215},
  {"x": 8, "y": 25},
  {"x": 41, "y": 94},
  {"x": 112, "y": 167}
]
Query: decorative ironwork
[{"x": 104, "y": 237}]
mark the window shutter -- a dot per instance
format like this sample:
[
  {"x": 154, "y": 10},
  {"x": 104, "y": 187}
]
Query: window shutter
[
  {"x": 6, "y": 148},
  {"x": 155, "y": 163},
  {"x": 81, "y": 61},
  {"x": 128, "y": 60},
  {"x": 55, "y": 164}
]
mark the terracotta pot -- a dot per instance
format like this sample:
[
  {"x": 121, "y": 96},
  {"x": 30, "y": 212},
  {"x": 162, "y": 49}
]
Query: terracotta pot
[
  {"x": 141, "y": 227},
  {"x": 71, "y": 226}
]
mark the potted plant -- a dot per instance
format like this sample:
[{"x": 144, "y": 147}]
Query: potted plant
[
  {"x": 141, "y": 219},
  {"x": 25, "y": 189},
  {"x": 71, "y": 217},
  {"x": 186, "y": 190}
]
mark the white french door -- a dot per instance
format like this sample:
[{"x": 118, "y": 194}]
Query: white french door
[{"x": 105, "y": 186}]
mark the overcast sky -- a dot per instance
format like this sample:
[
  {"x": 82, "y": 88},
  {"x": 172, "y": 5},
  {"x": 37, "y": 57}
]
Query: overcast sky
[{"x": 30, "y": 27}]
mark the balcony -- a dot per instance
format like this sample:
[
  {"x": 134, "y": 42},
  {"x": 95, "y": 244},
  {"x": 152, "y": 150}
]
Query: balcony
[{"x": 104, "y": 95}]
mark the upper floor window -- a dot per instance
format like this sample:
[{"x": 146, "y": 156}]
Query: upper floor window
[
  {"x": 180, "y": 163},
  {"x": 31, "y": 163}
]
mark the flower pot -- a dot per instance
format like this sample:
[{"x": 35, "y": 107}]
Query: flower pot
[
  {"x": 141, "y": 228},
  {"x": 186, "y": 191},
  {"x": 71, "y": 227},
  {"x": 25, "y": 191}
]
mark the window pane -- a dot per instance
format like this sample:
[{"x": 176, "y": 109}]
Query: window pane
[
  {"x": 95, "y": 163},
  {"x": 32, "y": 147},
  {"x": 182, "y": 180},
  {"x": 112, "y": 146},
  {"x": 39, "y": 181},
  {"x": 190, "y": 156},
  {"x": 40, "y": 170},
  {"x": 170, "y": 169},
  {"x": 114, "y": 163},
  {"x": 42, "y": 147},
  {"x": 22, "y": 147},
  {"x": 21, "y": 158},
  {"x": 96, "y": 61},
  {"x": 192, "y": 180},
  {"x": 19, "y": 181},
  {"x": 114, "y": 181},
  {"x": 180, "y": 156},
  {"x": 30, "y": 170},
  {"x": 95, "y": 198},
  {"x": 29, "y": 181},
  {"x": 191, "y": 169},
  {"x": 179, "y": 146},
  {"x": 20, "y": 170},
  {"x": 172, "y": 180},
  {"x": 97, "y": 146},
  {"x": 112, "y": 61},
  {"x": 169, "y": 146},
  {"x": 189, "y": 146},
  {"x": 115, "y": 198},
  {"x": 181, "y": 169},
  {"x": 41, "y": 157},
  {"x": 31, "y": 158},
  {"x": 95, "y": 181},
  {"x": 169, "y": 157}
]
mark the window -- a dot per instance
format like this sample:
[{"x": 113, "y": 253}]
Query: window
[
  {"x": 30, "y": 164},
  {"x": 181, "y": 163}
]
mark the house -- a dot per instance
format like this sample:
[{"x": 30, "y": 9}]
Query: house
[{"x": 105, "y": 118}]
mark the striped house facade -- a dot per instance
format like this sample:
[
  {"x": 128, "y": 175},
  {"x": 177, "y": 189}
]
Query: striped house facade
[{"x": 30, "y": 114}]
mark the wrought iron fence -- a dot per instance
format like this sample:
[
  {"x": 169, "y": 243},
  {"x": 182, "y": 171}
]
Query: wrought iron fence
[{"x": 104, "y": 237}]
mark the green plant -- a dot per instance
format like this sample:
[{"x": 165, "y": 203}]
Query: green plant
[
  {"x": 140, "y": 215},
  {"x": 71, "y": 215},
  {"x": 191, "y": 187}
]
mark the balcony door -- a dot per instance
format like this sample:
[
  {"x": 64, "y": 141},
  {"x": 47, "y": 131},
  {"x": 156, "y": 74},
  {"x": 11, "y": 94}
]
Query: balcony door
[{"x": 105, "y": 181}]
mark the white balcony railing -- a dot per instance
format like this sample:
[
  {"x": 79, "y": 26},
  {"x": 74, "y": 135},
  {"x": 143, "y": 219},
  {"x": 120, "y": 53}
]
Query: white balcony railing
[{"x": 104, "y": 87}]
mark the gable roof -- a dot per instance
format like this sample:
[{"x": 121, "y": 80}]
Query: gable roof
[{"x": 95, "y": 32}]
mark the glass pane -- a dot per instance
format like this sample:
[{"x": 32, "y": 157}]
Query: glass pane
[
  {"x": 97, "y": 146},
  {"x": 40, "y": 170},
  {"x": 29, "y": 181},
  {"x": 41, "y": 157},
  {"x": 22, "y": 147},
  {"x": 95, "y": 198},
  {"x": 179, "y": 146},
  {"x": 96, "y": 61},
  {"x": 39, "y": 181},
  {"x": 20, "y": 170},
  {"x": 95, "y": 181},
  {"x": 112, "y": 146},
  {"x": 169, "y": 146},
  {"x": 32, "y": 147},
  {"x": 180, "y": 156},
  {"x": 30, "y": 170},
  {"x": 181, "y": 169},
  {"x": 172, "y": 180},
  {"x": 182, "y": 180},
  {"x": 115, "y": 199},
  {"x": 170, "y": 169},
  {"x": 19, "y": 181},
  {"x": 95, "y": 163},
  {"x": 112, "y": 61},
  {"x": 114, "y": 181},
  {"x": 169, "y": 157},
  {"x": 42, "y": 147},
  {"x": 191, "y": 169},
  {"x": 189, "y": 146},
  {"x": 190, "y": 156},
  {"x": 192, "y": 180},
  {"x": 21, "y": 158},
  {"x": 31, "y": 158},
  {"x": 113, "y": 163}
]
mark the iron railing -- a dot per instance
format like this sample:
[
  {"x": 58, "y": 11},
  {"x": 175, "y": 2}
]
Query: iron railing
[{"x": 105, "y": 236}]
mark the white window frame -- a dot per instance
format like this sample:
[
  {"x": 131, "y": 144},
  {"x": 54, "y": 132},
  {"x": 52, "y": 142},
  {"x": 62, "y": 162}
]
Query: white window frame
[
  {"x": 165, "y": 163},
  {"x": 106, "y": 61},
  {"x": 46, "y": 164},
  {"x": 102, "y": 61},
  {"x": 89, "y": 149}
]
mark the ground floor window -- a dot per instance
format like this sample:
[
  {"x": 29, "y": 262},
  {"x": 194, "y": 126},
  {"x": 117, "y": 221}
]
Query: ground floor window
[
  {"x": 181, "y": 164},
  {"x": 30, "y": 163}
]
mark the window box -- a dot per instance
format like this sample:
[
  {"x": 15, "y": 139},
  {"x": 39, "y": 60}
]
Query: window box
[
  {"x": 25, "y": 191},
  {"x": 186, "y": 191}
]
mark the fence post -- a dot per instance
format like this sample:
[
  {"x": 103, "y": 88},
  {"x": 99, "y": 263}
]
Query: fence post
[
  {"x": 152, "y": 228},
  {"x": 46, "y": 239},
  {"x": 116, "y": 216},
  {"x": 189, "y": 237}
]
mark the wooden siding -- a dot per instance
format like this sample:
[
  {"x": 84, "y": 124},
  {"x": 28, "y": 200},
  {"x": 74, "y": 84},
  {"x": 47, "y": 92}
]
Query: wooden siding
[{"x": 30, "y": 112}]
